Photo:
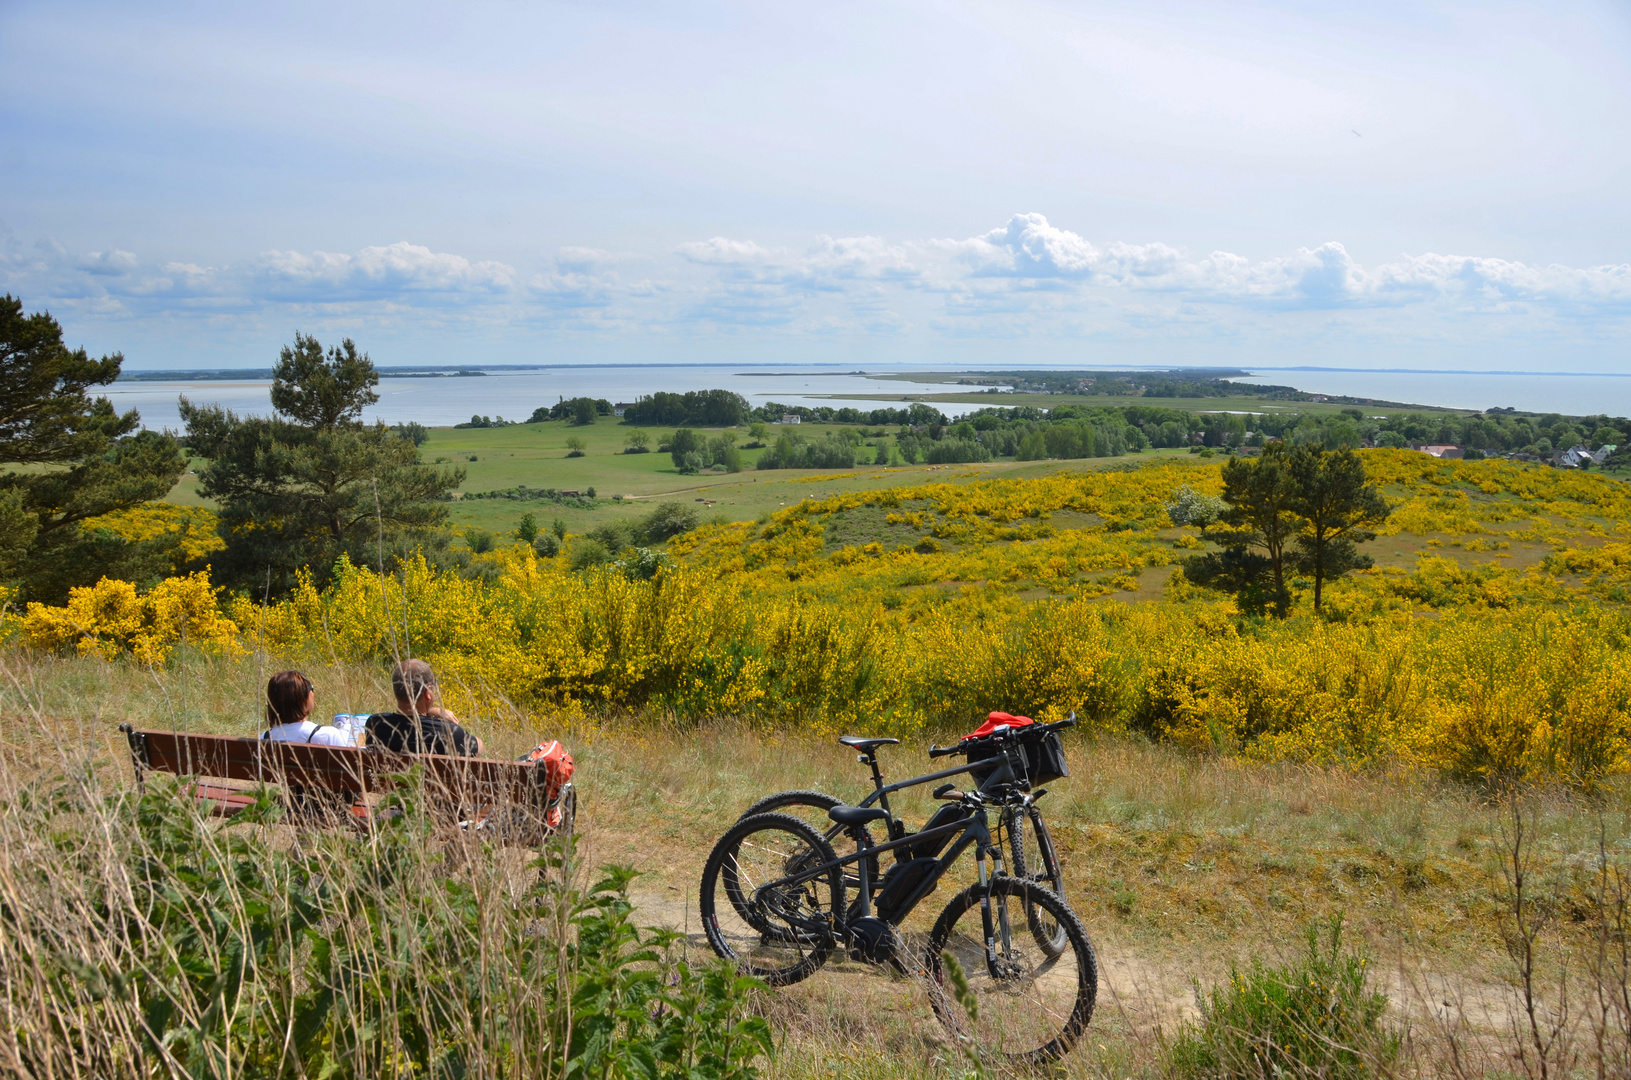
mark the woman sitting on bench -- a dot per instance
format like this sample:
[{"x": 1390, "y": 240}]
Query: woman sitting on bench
[{"x": 290, "y": 699}]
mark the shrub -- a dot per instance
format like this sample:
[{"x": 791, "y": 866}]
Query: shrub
[
  {"x": 668, "y": 519},
  {"x": 109, "y": 617},
  {"x": 575, "y": 446},
  {"x": 1190, "y": 507},
  {"x": 1315, "y": 1016},
  {"x": 957, "y": 452},
  {"x": 641, "y": 563},
  {"x": 547, "y": 545},
  {"x": 585, "y": 552},
  {"x": 616, "y": 535},
  {"x": 792, "y": 452},
  {"x": 526, "y": 530},
  {"x": 480, "y": 541}
]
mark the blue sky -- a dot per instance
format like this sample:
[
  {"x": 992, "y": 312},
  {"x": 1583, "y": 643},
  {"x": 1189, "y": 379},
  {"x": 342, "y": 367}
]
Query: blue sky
[{"x": 1410, "y": 185}]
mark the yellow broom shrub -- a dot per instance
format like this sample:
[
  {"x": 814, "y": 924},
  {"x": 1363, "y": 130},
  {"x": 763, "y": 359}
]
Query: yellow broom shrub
[
  {"x": 109, "y": 618},
  {"x": 998, "y": 594}
]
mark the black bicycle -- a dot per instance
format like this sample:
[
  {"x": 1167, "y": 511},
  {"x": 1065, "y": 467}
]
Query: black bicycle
[
  {"x": 774, "y": 899},
  {"x": 1028, "y": 841}
]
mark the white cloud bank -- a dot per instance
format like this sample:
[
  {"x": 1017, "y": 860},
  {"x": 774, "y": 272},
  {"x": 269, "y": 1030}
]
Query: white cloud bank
[
  {"x": 1027, "y": 276},
  {"x": 1028, "y": 247}
]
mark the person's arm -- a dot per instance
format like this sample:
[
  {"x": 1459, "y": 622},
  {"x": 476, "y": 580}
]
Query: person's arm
[{"x": 464, "y": 743}]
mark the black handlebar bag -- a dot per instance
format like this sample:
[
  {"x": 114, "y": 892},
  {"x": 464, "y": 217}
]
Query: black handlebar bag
[{"x": 1043, "y": 758}]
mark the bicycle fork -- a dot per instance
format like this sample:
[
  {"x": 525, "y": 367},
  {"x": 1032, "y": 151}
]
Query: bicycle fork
[{"x": 997, "y": 930}]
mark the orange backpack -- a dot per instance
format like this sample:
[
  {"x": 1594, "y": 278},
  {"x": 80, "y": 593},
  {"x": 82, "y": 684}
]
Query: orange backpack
[{"x": 557, "y": 765}]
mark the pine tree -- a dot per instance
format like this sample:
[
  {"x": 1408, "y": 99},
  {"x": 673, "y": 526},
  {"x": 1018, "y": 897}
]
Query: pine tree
[
  {"x": 68, "y": 457},
  {"x": 1257, "y": 494},
  {"x": 313, "y": 483},
  {"x": 1336, "y": 507}
]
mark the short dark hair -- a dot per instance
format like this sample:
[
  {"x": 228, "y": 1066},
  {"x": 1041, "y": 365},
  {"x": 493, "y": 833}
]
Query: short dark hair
[
  {"x": 411, "y": 678},
  {"x": 286, "y": 694}
]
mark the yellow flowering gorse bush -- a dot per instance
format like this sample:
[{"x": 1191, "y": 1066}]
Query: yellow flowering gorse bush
[
  {"x": 925, "y": 606},
  {"x": 109, "y": 617}
]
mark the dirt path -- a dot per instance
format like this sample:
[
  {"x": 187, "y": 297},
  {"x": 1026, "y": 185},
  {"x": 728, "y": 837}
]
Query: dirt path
[{"x": 1150, "y": 993}]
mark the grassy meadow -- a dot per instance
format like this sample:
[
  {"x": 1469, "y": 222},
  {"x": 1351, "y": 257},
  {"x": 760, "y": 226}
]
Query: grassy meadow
[{"x": 535, "y": 455}]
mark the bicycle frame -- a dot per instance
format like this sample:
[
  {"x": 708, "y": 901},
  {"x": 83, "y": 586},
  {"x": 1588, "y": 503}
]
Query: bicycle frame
[{"x": 976, "y": 833}]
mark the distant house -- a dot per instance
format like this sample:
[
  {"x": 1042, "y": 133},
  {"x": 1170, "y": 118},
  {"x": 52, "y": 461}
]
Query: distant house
[
  {"x": 1578, "y": 456},
  {"x": 1440, "y": 451},
  {"x": 791, "y": 418},
  {"x": 621, "y": 407}
]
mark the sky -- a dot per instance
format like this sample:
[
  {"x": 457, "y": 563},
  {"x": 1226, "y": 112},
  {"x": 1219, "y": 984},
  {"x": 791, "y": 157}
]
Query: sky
[{"x": 854, "y": 184}]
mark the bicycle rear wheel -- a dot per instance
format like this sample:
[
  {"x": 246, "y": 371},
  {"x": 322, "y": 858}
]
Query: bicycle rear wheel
[
  {"x": 780, "y": 933},
  {"x": 1036, "y": 860},
  {"x": 811, "y": 807},
  {"x": 1029, "y": 1007}
]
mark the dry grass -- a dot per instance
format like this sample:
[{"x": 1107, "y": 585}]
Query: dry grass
[{"x": 1180, "y": 866}]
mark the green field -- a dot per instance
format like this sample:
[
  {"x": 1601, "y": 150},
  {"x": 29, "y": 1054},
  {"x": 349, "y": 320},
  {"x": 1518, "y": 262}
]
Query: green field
[
  {"x": 627, "y": 486},
  {"x": 534, "y": 455}
]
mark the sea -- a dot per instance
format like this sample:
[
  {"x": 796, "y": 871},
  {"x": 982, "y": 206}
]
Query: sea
[{"x": 441, "y": 400}]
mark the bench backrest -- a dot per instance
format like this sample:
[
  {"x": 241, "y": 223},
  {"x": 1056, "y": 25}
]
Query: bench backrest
[{"x": 343, "y": 769}]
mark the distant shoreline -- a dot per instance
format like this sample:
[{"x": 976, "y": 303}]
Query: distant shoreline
[{"x": 432, "y": 371}]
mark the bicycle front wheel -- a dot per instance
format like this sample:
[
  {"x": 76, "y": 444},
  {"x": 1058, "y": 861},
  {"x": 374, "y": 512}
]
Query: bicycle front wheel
[
  {"x": 1023, "y": 1007},
  {"x": 1036, "y": 860},
  {"x": 777, "y": 929}
]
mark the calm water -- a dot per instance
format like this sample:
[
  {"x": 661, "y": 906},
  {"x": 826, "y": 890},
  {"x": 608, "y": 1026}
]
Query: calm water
[
  {"x": 1573, "y": 395},
  {"x": 514, "y": 395}
]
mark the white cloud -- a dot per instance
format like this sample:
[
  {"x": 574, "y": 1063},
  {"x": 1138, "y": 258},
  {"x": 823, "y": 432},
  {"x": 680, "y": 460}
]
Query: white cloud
[
  {"x": 108, "y": 263},
  {"x": 378, "y": 271},
  {"x": 1029, "y": 249},
  {"x": 721, "y": 251}
]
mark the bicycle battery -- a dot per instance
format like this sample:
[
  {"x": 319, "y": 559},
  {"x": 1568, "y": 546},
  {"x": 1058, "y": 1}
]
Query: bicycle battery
[
  {"x": 901, "y": 882},
  {"x": 934, "y": 845}
]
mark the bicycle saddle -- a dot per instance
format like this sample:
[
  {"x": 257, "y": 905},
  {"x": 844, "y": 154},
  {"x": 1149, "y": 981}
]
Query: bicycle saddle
[
  {"x": 852, "y": 816},
  {"x": 865, "y": 744}
]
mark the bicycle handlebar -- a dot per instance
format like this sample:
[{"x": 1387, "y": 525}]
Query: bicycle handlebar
[{"x": 1028, "y": 730}]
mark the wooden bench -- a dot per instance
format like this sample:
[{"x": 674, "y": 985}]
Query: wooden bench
[{"x": 324, "y": 785}]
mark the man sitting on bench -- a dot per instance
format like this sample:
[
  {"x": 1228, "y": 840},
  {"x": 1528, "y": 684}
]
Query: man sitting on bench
[{"x": 419, "y": 725}]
